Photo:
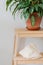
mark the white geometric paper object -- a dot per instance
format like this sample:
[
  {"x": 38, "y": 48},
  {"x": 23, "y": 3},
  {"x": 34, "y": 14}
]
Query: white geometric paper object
[{"x": 30, "y": 51}]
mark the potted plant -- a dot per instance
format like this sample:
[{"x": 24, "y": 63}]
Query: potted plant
[{"x": 32, "y": 10}]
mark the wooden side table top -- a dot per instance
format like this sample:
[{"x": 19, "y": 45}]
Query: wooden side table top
[{"x": 29, "y": 33}]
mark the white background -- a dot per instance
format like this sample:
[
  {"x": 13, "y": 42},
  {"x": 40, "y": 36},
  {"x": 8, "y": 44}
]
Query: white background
[{"x": 7, "y": 27}]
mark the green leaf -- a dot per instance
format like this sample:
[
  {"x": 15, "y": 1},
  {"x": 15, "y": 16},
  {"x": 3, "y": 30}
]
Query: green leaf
[
  {"x": 40, "y": 5},
  {"x": 28, "y": 1},
  {"x": 12, "y": 4},
  {"x": 32, "y": 20},
  {"x": 19, "y": 6},
  {"x": 26, "y": 15},
  {"x": 39, "y": 14},
  {"x": 8, "y": 2},
  {"x": 15, "y": 9},
  {"x": 36, "y": 7},
  {"x": 31, "y": 10},
  {"x": 42, "y": 1},
  {"x": 23, "y": 12}
]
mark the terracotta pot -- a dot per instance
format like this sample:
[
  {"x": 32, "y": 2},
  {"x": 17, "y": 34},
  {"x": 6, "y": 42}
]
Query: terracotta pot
[{"x": 37, "y": 23}]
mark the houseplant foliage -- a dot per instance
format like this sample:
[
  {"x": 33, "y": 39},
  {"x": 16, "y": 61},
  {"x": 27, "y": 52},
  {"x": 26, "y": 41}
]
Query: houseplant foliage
[{"x": 28, "y": 7}]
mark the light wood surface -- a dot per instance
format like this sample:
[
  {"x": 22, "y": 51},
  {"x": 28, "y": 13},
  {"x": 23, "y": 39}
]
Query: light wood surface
[
  {"x": 18, "y": 59},
  {"x": 15, "y": 44},
  {"x": 21, "y": 60},
  {"x": 29, "y": 33}
]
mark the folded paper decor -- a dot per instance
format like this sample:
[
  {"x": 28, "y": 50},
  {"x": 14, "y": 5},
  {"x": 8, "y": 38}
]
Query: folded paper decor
[{"x": 30, "y": 51}]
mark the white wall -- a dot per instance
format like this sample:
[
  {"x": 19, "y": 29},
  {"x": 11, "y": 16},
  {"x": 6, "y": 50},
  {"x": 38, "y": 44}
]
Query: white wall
[{"x": 7, "y": 26}]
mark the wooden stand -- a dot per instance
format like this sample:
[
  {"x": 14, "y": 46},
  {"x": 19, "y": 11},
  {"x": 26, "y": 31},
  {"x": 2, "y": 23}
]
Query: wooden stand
[{"x": 17, "y": 59}]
